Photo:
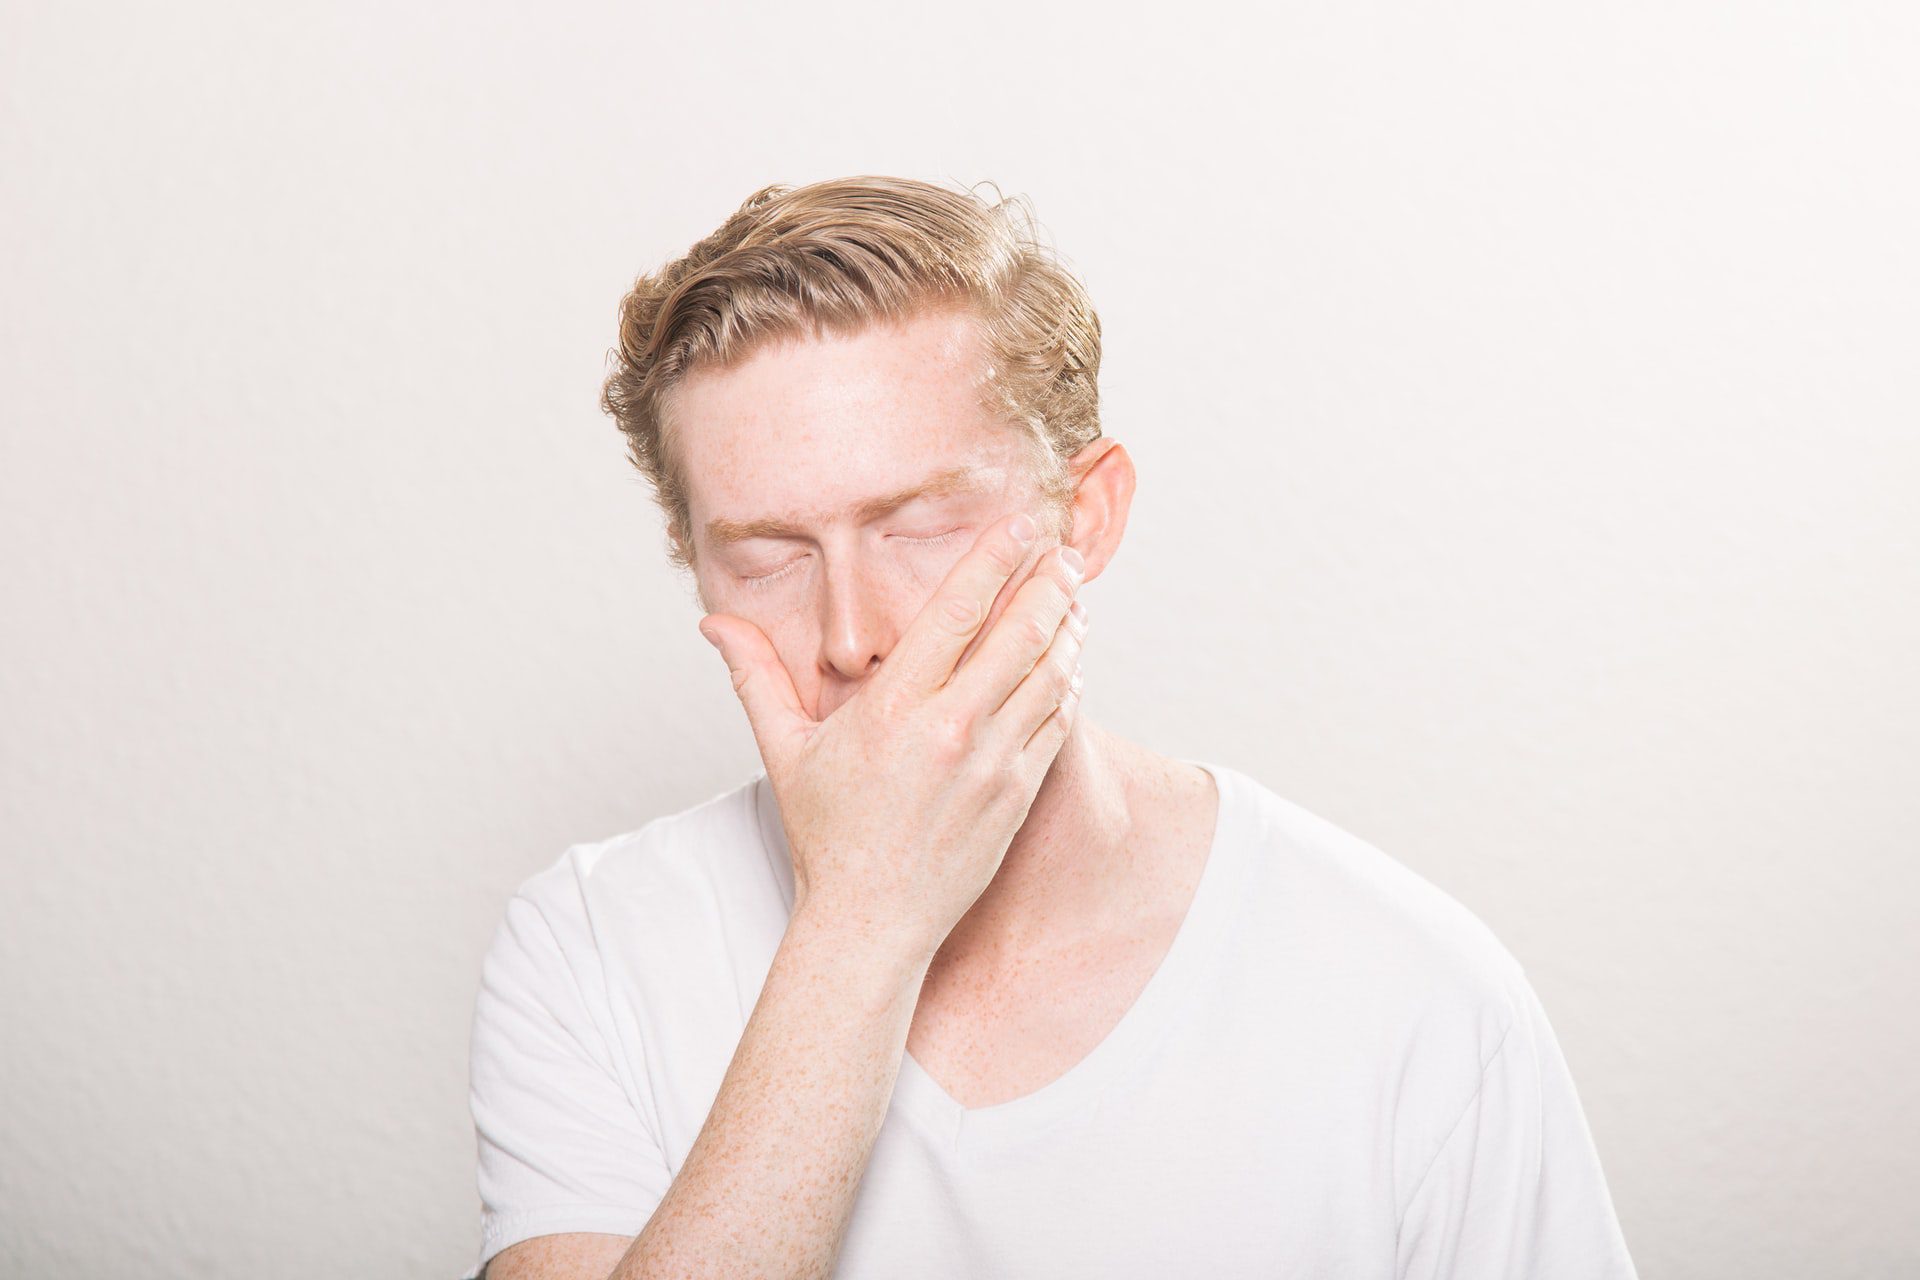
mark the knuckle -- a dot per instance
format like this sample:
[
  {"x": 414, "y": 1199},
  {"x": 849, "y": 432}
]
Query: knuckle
[
  {"x": 1004, "y": 555},
  {"x": 1035, "y": 632},
  {"x": 1059, "y": 682},
  {"x": 960, "y": 613},
  {"x": 952, "y": 737}
]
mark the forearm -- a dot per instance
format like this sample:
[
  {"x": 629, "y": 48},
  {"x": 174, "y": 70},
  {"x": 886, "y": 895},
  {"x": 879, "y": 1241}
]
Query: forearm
[{"x": 770, "y": 1181}]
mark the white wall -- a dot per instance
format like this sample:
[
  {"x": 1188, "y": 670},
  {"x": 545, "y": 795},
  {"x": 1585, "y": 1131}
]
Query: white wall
[{"x": 1525, "y": 403}]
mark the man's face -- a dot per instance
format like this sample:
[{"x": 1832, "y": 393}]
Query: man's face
[{"x": 802, "y": 464}]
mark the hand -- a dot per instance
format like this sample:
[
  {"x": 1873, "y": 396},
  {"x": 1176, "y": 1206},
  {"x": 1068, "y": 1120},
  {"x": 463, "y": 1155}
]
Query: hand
[{"x": 900, "y": 805}]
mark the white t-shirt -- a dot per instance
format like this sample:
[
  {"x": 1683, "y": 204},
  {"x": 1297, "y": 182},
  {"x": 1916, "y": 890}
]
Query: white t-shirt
[{"x": 1336, "y": 1071}]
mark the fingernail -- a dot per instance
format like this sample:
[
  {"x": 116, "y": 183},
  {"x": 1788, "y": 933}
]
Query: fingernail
[
  {"x": 1023, "y": 528},
  {"x": 1072, "y": 559},
  {"x": 713, "y": 637}
]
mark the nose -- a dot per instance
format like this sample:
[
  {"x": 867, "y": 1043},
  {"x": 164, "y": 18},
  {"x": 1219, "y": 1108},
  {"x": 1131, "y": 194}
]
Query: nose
[{"x": 856, "y": 629}]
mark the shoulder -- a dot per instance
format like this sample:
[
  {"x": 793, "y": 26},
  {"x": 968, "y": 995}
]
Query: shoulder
[
  {"x": 1370, "y": 929},
  {"x": 695, "y": 854}
]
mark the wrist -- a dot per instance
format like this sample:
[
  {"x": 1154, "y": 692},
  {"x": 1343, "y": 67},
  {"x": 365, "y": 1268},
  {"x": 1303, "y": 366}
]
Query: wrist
[{"x": 884, "y": 946}]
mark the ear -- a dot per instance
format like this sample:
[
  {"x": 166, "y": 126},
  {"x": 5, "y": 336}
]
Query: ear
[{"x": 1103, "y": 478}]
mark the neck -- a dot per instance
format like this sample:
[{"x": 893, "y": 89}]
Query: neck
[{"x": 1070, "y": 871}]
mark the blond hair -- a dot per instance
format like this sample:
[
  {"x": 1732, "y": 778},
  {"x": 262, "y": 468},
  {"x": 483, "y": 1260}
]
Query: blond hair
[{"x": 840, "y": 255}]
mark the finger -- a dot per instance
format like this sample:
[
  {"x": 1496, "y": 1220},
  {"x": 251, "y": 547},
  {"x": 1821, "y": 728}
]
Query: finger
[
  {"x": 1046, "y": 685},
  {"x": 1047, "y": 739},
  {"x": 1021, "y": 636},
  {"x": 773, "y": 706},
  {"x": 931, "y": 647}
]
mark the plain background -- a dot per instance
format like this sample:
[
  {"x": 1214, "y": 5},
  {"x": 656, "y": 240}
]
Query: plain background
[{"x": 1525, "y": 405}]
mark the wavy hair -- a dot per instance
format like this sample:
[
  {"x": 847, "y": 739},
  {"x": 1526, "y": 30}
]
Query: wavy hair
[{"x": 840, "y": 255}]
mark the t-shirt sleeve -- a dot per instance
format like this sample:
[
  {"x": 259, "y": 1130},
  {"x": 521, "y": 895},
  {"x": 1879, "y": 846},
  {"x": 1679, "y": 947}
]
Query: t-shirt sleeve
[
  {"x": 1516, "y": 1190},
  {"x": 561, "y": 1145}
]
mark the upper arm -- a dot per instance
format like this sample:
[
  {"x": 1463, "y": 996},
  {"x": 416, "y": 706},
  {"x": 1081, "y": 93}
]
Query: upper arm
[
  {"x": 1516, "y": 1189},
  {"x": 572, "y": 1255},
  {"x": 563, "y": 1150}
]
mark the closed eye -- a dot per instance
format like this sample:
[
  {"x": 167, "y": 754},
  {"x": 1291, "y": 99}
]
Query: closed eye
[
  {"x": 762, "y": 579},
  {"x": 948, "y": 536}
]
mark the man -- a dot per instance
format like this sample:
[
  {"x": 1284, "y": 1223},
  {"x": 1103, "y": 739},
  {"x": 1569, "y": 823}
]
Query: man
[{"x": 963, "y": 985}]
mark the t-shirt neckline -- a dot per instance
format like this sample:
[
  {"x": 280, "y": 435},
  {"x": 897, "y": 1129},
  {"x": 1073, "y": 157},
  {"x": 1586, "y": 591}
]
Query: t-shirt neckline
[{"x": 1196, "y": 944}]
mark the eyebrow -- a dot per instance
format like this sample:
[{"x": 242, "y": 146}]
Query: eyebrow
[{"x": 963, "y": 479}]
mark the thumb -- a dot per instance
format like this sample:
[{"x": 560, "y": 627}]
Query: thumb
[{"x": 766, "y": 690}]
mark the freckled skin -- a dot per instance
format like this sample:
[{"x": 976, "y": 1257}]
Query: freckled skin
[{"x": 1095, "y": 875}]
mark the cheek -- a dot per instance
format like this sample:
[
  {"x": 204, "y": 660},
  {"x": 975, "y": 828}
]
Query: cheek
[
  {"x": 787, "y": 614},
  {"x": 797, "y": 644},
  {"x": 925, "y": 565}
]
